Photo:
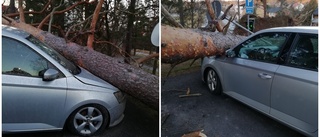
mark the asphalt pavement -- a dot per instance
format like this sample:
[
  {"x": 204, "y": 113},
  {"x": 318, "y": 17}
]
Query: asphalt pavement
[
  {"x": 218, "y": 116},
  {"x": 139, "y": 121}
]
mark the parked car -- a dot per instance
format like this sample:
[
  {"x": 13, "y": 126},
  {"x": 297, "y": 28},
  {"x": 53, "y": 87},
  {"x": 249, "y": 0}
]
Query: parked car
[
  {"x": 274, "y": 71},
  {"x": 42, "y": 90}
]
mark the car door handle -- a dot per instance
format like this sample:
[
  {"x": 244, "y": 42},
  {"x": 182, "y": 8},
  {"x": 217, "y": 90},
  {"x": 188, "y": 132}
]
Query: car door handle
[{"x": 264, "y": 76}]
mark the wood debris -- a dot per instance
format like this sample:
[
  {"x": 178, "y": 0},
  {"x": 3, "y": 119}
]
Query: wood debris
[
  {"x": 189, "y": 95},
  {"x": 195, "y": 134}
]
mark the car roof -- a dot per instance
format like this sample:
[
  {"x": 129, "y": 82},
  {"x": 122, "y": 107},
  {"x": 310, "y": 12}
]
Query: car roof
[
  {"x": 295, "y": 29},
  {"x": 12, "y": 31}
]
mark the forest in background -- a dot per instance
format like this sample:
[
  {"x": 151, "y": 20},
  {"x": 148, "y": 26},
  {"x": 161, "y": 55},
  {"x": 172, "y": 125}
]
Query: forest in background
[{"x": 122, "y": 24}]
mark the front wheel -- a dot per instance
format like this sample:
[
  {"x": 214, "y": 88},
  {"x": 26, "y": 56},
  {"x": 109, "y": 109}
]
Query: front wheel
[
  {"x": 88, "y": 120},
  {"x": 213, "y": 82}
]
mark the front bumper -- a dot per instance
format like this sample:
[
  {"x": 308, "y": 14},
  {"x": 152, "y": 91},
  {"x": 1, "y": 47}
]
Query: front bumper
[{"x": 116, "y": 113}]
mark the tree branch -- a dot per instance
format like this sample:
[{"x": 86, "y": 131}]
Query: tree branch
[
  {"x": 62, "y": 11},
  {"x": 21, "y": 12},
  {"x": 226, "y": 27},
  {"x": 167, "y": 15},
  {"x": 143, "y": 59},
  {"x": 93, "y": 24},
  {"x": 51, "y": 15},
  {"x": 212, "y": 15},
  {"x": 226, "y": 12},
  {"x": 6, "y": 20},
  {"x": 30, "y": 12},
  {"x": 68, "y": 32},
  {"x": 119, "y": 49},
  {"x": 127, "y": 12}
]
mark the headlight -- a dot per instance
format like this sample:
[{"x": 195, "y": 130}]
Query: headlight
[{"x": 120, "y": 96}]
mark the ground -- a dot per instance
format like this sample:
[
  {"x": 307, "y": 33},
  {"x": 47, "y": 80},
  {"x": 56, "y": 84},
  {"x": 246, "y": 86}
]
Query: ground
[{"x": 218, "y": 116}]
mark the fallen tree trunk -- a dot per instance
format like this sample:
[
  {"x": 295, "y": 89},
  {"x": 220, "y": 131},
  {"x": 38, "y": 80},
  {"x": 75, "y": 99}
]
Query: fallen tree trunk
[
  {"x": 179, "y": 45},
  {"x": 132, "y": 80}
]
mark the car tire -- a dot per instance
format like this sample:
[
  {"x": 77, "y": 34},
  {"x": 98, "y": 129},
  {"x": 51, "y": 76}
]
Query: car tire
[
  {"x": 213, "y": 82},
  {"x": 88, "y": 120}
]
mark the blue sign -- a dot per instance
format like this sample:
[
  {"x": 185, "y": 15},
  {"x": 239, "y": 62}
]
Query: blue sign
[
  {"x": 249, "y": 7},
  {"x": 249, "y": 3},
  {"x": 249, "y": 10}
]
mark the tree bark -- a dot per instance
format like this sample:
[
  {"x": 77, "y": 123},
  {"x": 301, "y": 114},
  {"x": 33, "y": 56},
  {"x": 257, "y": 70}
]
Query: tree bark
[
  {"x": 132, "y": 80},
  {"x": 179, "y": 45}
]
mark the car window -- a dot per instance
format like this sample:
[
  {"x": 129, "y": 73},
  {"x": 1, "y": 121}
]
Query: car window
[
  {"x": 72, "y": 68},
  {"x": 304, "y": 53},
  {"x": 19, "y": 59},
  {"x": 263, "y": 47}
]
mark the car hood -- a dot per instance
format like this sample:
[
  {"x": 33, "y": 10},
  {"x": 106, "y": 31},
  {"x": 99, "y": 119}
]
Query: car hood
[{"x": 87, "y": 78}]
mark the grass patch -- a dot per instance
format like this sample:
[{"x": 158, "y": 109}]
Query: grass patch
[{"x": 181, "y": 68}]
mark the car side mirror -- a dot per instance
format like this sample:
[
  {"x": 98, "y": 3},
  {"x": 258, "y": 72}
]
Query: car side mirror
[
  {"x": 50, "y": 74},
  {"x": 230, "y": 54}
]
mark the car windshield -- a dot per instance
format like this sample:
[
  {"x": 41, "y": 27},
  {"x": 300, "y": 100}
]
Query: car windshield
[{"x": 72, "y": 68}]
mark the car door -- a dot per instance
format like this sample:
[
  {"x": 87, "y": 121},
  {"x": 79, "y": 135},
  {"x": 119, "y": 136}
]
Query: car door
[
  {"x": 248, "y": 76},
  {"x": 28, "y": 102},
  {"x": 294, "y": 96}
]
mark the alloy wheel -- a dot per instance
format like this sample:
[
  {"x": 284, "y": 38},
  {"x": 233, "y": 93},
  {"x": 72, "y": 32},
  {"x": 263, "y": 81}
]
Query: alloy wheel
[
  {"x": 88, "y": 120},
  {"x": 213, "y": 82}
]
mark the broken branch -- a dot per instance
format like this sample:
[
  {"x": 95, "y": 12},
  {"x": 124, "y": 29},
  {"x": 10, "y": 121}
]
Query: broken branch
[
  {"x": 93, "y": 24},
  {"x": 190, "y": 95},
  {"x": 167, "y": 15},
  {"x": 212, "y": 15}
]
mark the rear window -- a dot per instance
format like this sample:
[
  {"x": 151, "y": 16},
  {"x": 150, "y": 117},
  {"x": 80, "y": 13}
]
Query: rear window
[{"x": 304, "y": 53}]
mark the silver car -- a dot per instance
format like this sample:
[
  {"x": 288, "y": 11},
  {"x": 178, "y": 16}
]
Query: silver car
[
  {"x": 274, "y": 71},
  {"x": 41, "y": 90}
]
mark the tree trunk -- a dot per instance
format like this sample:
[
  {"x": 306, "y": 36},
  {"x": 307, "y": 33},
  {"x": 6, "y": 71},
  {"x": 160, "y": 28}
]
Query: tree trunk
[
  {"x": 108, "y": 34},
  {"x": 181, "y": 12},
  {"x": 179, "y": 45},
  {"x": 12, "y": 8},
  {"x": 131, "y": 18},
  {"x": 132, "y": 80},
  {"x": 264, "y": 8},
  {"x": 192, "y": 13}
]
